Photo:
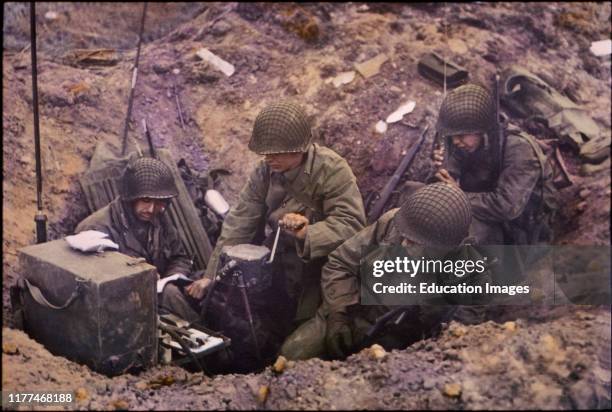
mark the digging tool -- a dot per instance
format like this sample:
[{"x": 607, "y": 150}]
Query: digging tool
[{"x": 40, "y": 218}]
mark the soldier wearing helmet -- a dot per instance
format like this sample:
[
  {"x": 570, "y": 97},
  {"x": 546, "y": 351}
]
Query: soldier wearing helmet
[
  {"x": 306, "y": 189},
  {"x": 136, "y": 221},
  {"x": 433, "y": 221},
  {"x": 506, "y": 177}
]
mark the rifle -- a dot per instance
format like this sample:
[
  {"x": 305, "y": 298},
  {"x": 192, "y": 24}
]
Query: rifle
[
  {"x": 382, "y": 321},
  {"x": 499, "y": 130},
  {"x": 438, "y": 143},
  {"x": 392, "y": 183},
  {"x": 149, "y": 139},
  {"x": 40, "y": 218}
]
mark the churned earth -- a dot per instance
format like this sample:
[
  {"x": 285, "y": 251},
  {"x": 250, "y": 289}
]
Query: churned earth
[{"x": 546, "y": 358}]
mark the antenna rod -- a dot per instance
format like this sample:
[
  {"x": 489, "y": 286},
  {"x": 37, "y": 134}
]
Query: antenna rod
[
  {"x": 134, "y": 77},
  {"x": 40, "y": 218}
]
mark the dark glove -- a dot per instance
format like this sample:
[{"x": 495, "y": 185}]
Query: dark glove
[{"x": 339, "y": 337}]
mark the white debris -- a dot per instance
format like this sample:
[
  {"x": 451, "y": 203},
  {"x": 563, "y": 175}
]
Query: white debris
[
  {"x": 51, "y": 15},
  {"x": 176, "y": 71},
  {"x": 216, "y": 202},
  {"x": 381, "y": 127},
  {"x": 601, "y": 48},
  {"x": 223, "y": 66},
  {"x": 91, "y": 241},
  {"x": 343, "y": 78},
  {"x": 404, "y": 109}
]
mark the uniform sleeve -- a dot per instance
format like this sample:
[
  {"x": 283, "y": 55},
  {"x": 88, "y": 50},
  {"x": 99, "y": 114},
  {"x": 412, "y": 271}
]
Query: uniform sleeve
[
  {"x": 179, "y": 260},
  {"x": 340, "y": 280},
  {"x": 344, "y": 215},
  {"x": 518, "y": 178},
  {"x": 243, "y": 220},
  {"x": 340, "y": 275},
  {"x": 99, "y": 221}
]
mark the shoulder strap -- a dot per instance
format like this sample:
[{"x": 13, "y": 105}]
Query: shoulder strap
[{"x": 538, "y": 151}]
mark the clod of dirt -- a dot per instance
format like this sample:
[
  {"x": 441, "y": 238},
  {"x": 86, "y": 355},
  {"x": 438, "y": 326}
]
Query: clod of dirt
[
  {"x": 262, "y": 395},
  {"x": 510, "y": 326},
  {"x": 280, "y": 364},
  {"x": 10, "y": 349},
  {"x": 81, "y": 394},
  {"x": 376, "y": 352},
  {"x": 452, "y": 390},
  {"x": 457, "y": 329}
]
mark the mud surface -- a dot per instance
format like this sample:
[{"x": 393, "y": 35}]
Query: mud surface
[{"x": 553, "y": 358}]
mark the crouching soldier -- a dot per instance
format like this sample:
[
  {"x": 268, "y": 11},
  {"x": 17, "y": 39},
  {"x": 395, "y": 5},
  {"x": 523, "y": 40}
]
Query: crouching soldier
[
  {"x": 434, "y": 221},
  {"x": 136, "y": 221},
  {"x": 505, "y": 175},
  {"x": 306, "y": 189}
]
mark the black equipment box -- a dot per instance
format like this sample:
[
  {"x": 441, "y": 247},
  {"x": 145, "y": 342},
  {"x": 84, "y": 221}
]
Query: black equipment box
[{"x": 96, "y": 309}]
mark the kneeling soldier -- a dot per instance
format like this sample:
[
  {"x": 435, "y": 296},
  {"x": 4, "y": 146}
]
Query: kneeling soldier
[
  {"x": 435, "y": 218},
  {"x": 137, "y": 222},
  {"x": 306, "y": 189}
]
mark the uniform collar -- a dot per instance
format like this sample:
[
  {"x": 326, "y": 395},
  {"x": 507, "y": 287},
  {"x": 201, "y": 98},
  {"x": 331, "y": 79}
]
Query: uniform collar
[
  {"x": 126, "y": 216},
  {"x": 310, "y": 159},
  {"x": 305, "y": 168}
]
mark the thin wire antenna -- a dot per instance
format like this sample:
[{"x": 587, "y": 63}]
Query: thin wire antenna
[
  {"x": 446, "y": 43},
  {"x": 134, "y": 77}
]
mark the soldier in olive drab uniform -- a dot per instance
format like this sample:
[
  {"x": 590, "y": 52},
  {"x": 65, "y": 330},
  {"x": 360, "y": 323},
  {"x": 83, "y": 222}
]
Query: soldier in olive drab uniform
[
  {"x": 136, "y": 221},
  {"x": 434, "y": 221},
  {"x": 307, "y": 189},
  {"x": 506, "y": 178}
]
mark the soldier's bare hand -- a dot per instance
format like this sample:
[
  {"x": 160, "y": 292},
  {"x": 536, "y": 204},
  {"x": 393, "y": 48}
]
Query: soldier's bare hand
[
  {"x": 438, "y": 157},
  {"x": 197, "y": 289},
  {"x": 445, "y": 177},
  {"x": 294, "y": 224}
]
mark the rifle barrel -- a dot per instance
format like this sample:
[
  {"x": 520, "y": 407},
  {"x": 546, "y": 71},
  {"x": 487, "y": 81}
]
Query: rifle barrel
[{"x": 392, "y": 183}]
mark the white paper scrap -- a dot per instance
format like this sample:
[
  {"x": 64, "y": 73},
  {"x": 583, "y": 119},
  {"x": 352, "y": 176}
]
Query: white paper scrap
[
  {"x": 208, "y": 56},
  {"x": 601, "y": 47},
  {"x": 344, "y": 78},
  {"x": 404, "y": 109},
  {"x": 161, "y": 284},
  {"x": 91, "y": 241}
]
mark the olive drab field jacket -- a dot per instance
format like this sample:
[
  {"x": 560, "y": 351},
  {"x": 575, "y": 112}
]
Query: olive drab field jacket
[
  {"x": 323, "y": 189},
  {"x": 524, "y": 182},
  {"x": 340, "y": 276},
  {"x": 163, "y": 248}
]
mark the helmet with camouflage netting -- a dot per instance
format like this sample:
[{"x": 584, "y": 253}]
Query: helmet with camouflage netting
[
  {"x": 148, "y": 177},
  {"x": 281, "y": 127},
  {"x": 465, "y": 110},
  {"x": 436, "y": 215}
]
